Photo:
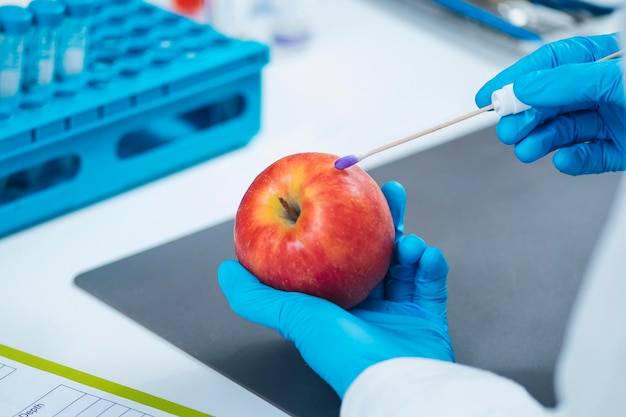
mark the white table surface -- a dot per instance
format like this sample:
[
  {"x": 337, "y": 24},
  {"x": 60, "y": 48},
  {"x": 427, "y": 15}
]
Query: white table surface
[{"x": 370, "y": 76}]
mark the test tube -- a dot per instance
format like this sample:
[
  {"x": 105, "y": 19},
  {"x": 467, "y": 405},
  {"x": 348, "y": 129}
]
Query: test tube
[
  {"x": 43, "y": 44},
  {"x": 292, "y": 23},
  {"x": 72, "y": 57},
  {"x": 15, "y": 23}
]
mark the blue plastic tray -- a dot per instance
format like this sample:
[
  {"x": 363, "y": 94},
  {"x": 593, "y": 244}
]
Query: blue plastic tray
[{"x": 161, "y": 93}]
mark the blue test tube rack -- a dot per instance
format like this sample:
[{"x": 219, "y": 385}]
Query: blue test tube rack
[{"x": 159, "y": 93}]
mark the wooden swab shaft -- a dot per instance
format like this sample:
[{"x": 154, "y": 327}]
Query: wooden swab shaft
[{"x": 429, "y": 130}]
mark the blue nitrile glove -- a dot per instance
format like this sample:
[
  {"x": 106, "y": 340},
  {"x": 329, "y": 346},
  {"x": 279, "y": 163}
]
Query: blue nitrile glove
[
  {"x": 577, "y": 106},
  {"x": 404, "y": 316}
]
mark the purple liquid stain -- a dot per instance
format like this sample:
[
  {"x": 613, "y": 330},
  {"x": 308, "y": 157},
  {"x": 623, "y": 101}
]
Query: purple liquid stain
[{"x": 346, "y": 161}]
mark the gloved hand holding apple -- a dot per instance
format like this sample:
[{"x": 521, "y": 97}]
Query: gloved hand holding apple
[
  {"x": 305, "y": 226},
  {"x": 403, "y": 315}
]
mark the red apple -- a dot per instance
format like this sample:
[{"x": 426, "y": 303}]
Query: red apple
[{"x": 305, "y": 226}]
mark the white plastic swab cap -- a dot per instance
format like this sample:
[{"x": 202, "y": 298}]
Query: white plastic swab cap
[{"x": 505, "y": 103}]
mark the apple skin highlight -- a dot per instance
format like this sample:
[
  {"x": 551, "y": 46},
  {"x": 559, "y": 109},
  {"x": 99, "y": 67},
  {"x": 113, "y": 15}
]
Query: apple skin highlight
[{"x": 305, "y": 226}]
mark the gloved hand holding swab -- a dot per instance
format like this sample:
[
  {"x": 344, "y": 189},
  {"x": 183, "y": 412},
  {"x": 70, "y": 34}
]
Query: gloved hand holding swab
[{"x": 503, "y": 102}]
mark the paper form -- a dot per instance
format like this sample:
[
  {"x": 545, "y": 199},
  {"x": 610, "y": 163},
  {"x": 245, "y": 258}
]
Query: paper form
[{"x": 34, "y": 387}]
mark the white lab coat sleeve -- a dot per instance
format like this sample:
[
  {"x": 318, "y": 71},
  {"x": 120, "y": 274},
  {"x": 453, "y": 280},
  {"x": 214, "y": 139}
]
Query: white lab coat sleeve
[
  {"x": 591, "y": 372},
  {"x": 419, "y": 387}
]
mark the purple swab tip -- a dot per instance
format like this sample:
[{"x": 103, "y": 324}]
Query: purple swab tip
[{"x": 346, "y": 161}]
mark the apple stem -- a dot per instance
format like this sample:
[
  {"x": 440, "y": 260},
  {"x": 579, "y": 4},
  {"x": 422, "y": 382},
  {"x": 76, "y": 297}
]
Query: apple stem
[{"x": 292, "y": 213}]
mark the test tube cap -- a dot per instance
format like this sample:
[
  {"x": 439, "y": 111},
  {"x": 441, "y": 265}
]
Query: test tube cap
[
  {"x": 47, "y": 12},
  {"x": 15, "y": 20},
  {"x": 505, "y": 102},
  {"x": 79, "y": 8}
]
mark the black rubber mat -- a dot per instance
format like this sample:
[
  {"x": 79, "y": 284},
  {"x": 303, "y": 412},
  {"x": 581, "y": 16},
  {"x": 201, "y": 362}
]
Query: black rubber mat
[{"x": 518, "y": 238}]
